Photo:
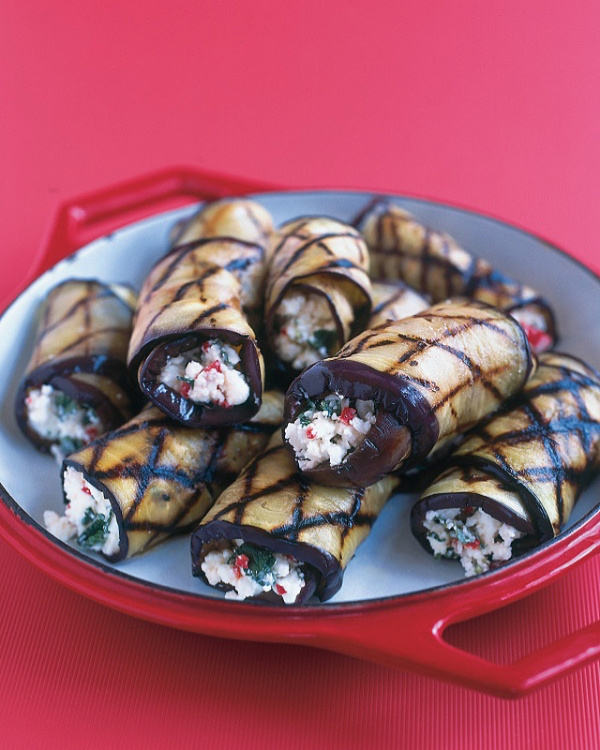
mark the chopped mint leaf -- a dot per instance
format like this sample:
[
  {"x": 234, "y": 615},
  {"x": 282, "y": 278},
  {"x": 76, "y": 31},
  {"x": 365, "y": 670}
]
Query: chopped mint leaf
[
  {"x": 65, "y": 405},
  {"x": 189, "y": 381},
  {"x": 96, "y": 532},
  {"x": 324, "y": 339},
  {"x": 331, "y": 406},
  {"x": 260, "y": 562}
]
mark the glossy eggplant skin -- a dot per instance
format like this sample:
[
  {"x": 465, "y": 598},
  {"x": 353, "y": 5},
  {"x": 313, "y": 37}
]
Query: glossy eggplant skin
[
  {"x": 81, "y": 349},
  {"x": 185, "y": 301},
  {"x": 161, "y": 477},
  {"x": 320, "y": 256},
  {"x": 527, "y": 464},
  {"x": 401, "y": 247},
  {"x": 431, "y": 376},
  {"x": 272, "y": 505}
]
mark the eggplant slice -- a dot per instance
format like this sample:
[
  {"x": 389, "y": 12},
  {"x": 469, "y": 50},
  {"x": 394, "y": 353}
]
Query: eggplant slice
[
  {"x": 318, "y": 291},
  {"x": 524, "y": 468},
  {"x": 394, "y": 300},
  {"x": 274, "y": 527},
  {"x": 153, "y": 478},
  {"x": 234, "y": 233},
  {"x": 192, "y": 350},
  {"x": 396, "y": 393},
  {"x": 75, "y": 385},
  {"x": 433, "y": 262}
]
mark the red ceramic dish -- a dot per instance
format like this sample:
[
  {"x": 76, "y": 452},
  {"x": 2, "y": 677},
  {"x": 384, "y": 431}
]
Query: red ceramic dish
[{"x": 398, "y": 621}]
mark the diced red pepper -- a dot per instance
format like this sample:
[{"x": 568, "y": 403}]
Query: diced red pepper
[
  {"x": 205, "y": 346},
  {"x": 347, "y": 415},
  {"x": 214, "y": 365},
  {"x": 237, "y": 572},
  {"x": 185, "y": 389},
  {"x": 475, "y": 544},
  {"x": 242, "y": 561},
  {"x": 538, "y": 339},
  {"x": 310, "y": 433},
  {"x": 280, "y": 590},
  {"x": 92, "y": 432},
  {"x": 86, "y": 489}
]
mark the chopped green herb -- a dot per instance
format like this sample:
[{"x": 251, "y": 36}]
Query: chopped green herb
[
  {"x": 331, "y": 406},
  {"x": 96, "y": 531},
  {"x": 260, "y": 562},
  {"x": 324, "y": 339},
  {"x": 65, "y": 405},
  {"x": 189, "y": 381}
]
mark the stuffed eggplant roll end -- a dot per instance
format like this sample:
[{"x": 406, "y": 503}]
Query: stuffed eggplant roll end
[
  {"x": 512, "y": 484},
  {"x": 399, "y": 391},
  {"x": 273, "y": 535},
  {"x": 75, "y": 386}
]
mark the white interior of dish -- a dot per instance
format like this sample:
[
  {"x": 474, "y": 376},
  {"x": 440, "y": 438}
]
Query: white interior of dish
[{"x": 390, "y": 562}]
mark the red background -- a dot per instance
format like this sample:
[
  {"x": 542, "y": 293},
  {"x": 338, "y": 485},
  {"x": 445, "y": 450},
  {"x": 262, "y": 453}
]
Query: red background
[{"x": 494, "y": 106}]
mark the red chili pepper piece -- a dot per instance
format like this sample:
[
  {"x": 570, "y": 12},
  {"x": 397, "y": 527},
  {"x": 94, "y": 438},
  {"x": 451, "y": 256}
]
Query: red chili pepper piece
[
  {"x": 214, "y": 365},
  {"x": 310, "y": 433},
  {"x": 280, "y": 590},
  {"x": 185, "y": 389},
  {"x": 347, "y": 415},
  {"x": 538, "y": 339},
  {"x": 86, "y": 489},
  {"x": 242, "y": 561},
  {"x": 475, "y": 544}
]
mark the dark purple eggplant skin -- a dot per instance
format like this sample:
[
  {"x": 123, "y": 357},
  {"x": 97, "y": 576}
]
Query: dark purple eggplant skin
[
  {"x": 534, "y": 536},
  {"x": 323, "y": 573},
  {"x": 399, "y": 405},
  {"x": 153, "y": 357},
  {"x": 57, "y": 374}
]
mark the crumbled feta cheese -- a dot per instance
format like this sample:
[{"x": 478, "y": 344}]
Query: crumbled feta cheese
[
  {"x": 88, "y": 516},
  {"x": 474, "y": 537},
  {"x": 306, "y": 331},
  {"x": 247, "y": 571},
  {"x": 208, "y": 375},
  {"x": 62, "y": 420},
  {"x": 329, "y": 430}
]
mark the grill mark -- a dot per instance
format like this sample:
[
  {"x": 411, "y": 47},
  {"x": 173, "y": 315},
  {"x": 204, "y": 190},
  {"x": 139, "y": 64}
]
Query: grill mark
[
  {"x": 84, "y": 302},
  {"x": 307, "y": 244},
  {"x": 85, "y": 338}
]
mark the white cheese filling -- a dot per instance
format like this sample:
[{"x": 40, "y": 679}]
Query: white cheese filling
[
  {"x": 59, "y": 418},
  {"x": 88, "y": 517},
  {"x": 208, "y": 375},
  {"x": 474, "y": 537},
  {"x": 251, "y": 571},
  {"x": 306, "y": 331},
  {"x": 330, "y": 429}
]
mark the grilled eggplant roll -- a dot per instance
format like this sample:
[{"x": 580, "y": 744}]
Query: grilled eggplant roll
[
  {"x": 239, "y": 218},
  {"x": 394, "y": 300},
  {"x": 318, "y": 290},
  {"x": 513, "y": 483},
  {"x": 396, "y": 393},
  {"x": 275, "y": 535},
  {"x": 75, "y": 385},
  {"x": 235, "y": 234},
  {"x": 153, "y": 478},
  {"x": 432, "y": 262},
  {"x": 192, "y": 350}
]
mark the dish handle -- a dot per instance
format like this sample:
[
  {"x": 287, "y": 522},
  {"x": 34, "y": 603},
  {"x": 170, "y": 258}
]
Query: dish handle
[
  {"x": 91, "y": 215},
  {"x": 410, "y": 634}
]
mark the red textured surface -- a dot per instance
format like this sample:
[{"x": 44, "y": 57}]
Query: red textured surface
[{"x": 490, "y": 105}]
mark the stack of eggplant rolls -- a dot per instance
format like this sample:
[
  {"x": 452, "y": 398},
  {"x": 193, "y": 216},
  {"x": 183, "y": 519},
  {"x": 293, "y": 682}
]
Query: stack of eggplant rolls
[{"x": 269, "y": 388}]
